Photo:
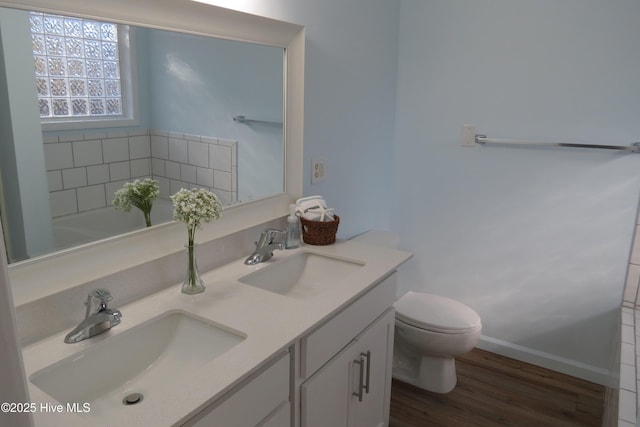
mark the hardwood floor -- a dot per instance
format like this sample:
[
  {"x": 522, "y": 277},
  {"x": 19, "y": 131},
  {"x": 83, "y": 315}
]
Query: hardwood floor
[{"x": 493, "y": 390}]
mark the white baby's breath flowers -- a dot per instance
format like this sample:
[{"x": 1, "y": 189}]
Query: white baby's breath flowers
[
  {"x": 194, "y": 207},
  {"x": 140, "y": 194}
]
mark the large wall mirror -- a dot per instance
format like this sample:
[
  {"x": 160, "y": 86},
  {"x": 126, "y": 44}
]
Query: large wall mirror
[
  {"x": 200, "y": 112},
  {"x": 210, "y": 97}
]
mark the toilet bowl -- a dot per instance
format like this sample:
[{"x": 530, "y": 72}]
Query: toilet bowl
[{"x": 430, "y": 332}]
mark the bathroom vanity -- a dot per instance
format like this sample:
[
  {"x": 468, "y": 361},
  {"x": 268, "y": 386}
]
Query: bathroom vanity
[{"x": 304, "y": 339}]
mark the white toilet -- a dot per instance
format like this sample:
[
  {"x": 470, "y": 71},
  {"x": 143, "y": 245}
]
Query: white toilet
[{"x": 431, "y": 331}]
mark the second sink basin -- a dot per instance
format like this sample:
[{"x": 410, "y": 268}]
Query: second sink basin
[
  {"x": 302, "y": 274},
  {"x": 151, "y": 356}
]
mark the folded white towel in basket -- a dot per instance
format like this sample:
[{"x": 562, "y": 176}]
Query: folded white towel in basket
[{"x": 314, "y": 208}]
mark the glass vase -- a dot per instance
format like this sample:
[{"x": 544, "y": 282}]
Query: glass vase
[{"x": 193, "y": 284}]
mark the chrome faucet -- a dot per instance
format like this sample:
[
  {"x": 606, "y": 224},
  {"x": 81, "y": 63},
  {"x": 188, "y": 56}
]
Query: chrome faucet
[
  {"x": 97, "y": 319},
  {"x": 266, "y": 245}
]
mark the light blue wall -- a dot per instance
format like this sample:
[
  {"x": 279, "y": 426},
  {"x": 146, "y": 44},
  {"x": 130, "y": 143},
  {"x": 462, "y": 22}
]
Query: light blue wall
[
  {"x": 199, "y": 84},
  {"x": 536, "y": 240},
  {"x": 350, "y": 79}
]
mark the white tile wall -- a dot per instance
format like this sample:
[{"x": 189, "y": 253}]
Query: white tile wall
[
  {"x": 189, "y": 161},
  {"x": 140, "y": 167},
  {"x": 139, "y": 147},
  {"x": 629, "y": 382},
  {"x": 204, "y": 177},
  {"x": 58, "y": 156},
  {"x": 173, "y": 170},
  {"x": 74, "y": 178},
  {"x": 92, "y": 197},
  {"x": 158, "y": 166},
  {"x": 98, "y": 174},
  {"x": 85, "y": 170},
  {"x": 63, "y": 203},
  {"x": 188, "y": 173},
  {"x": 117, "y": 150},
  {"x": 220, "y": 158},
  {"x": 178, "y": 150},
  {"x": 55, "y": 180},
  {"x": 160, "y": 147},
  {"x": 86, "y": 153},
  {"x": 199, "y": 154},
  {"x": 119, "y": 171}
]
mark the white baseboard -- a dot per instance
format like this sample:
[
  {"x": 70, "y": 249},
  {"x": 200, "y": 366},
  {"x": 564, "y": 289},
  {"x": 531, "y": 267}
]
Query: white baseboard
[{"x": 546, "y": 360}]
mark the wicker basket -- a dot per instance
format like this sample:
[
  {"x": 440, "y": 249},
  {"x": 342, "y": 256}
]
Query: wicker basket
[{"x": 319, "y": 233}]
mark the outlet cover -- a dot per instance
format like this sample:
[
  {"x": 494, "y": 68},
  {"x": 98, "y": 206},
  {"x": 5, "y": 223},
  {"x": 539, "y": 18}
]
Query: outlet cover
[{"x": 318, "y": 170}]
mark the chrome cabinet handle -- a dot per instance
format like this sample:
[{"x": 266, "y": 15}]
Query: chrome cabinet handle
[
  {"x": 368, "y": 356},
  {"x": 361, "y": 385}
]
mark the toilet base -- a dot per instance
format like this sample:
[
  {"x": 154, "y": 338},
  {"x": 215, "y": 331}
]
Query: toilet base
[{"x": 435, "y": 374}]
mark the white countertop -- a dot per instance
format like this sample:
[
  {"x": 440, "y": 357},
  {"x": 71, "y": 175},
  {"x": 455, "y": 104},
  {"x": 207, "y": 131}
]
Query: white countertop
[{"x": 270, "y": 321}]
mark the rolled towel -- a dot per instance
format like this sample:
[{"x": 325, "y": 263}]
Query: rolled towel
[{"x": 314, "y": 208}]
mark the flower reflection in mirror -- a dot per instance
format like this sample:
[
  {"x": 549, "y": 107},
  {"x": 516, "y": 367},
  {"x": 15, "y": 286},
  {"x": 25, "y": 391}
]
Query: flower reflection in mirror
[{"x": 140, "y": 194}]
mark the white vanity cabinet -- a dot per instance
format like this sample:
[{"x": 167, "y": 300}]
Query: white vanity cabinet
[
  {"x": 261, "y": 401},
  {"x": 352, "y": 386},
  {"x": 321, "y": 358}
]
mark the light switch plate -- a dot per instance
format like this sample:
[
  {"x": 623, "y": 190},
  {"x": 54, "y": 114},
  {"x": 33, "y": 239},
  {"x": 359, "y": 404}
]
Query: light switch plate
[{"x": 468, "y": 136}]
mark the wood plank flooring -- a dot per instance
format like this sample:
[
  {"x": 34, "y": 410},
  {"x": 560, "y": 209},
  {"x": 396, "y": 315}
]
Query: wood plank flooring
[{"x": 493, "y": 391}]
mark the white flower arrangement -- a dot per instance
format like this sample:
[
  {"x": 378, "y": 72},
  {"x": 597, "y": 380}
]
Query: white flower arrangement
[
  {"x": 140, "y": 194},
  {"x": 195, "y": 206}
]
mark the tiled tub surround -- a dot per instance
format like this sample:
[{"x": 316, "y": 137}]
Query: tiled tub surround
[
  {"x": 628, "y": 353},
  {"x": 188, "y": 161},
  {"x": 77, "y": 229},
  {"x": 85, "y": 170}
]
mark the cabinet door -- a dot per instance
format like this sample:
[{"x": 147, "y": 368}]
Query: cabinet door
[
  {"x": 326, "y": 396},
  {"x": 353, "y": 388},
  {"x": 376, "y": 351}
]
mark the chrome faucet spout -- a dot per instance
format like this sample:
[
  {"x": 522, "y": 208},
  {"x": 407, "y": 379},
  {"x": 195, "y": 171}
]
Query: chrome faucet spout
[
  {"x": 98, "y": 317},
  {"x": 266, "y": 245}
]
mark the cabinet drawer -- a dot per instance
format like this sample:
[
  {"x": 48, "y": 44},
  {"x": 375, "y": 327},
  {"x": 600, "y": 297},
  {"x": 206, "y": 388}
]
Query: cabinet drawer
[
  {"x": 250, "y": 403},
  {"x": 323, "y": 343}
]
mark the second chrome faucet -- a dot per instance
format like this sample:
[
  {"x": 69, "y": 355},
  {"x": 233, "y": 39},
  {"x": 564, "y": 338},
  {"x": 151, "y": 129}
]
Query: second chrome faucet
[{"x": 270, "y": 240}]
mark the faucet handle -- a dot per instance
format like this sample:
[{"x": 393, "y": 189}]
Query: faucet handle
[
  {"x": 267, "y": 237},
  {"x": 271, "y": 234},
  {"x": 102, "y": 296}
]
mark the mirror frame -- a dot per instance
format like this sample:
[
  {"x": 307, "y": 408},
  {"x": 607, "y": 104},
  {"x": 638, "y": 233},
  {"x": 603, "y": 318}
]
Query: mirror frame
[{"x": 46, "y": 275}]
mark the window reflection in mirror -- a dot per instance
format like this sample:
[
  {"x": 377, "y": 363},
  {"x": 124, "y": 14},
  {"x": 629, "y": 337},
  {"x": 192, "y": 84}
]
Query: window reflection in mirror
[{"x": 58, "y": 179}]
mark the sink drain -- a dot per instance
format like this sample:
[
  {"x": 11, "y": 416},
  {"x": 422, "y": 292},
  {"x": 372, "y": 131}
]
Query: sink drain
[{"x": 133, "y": 399}]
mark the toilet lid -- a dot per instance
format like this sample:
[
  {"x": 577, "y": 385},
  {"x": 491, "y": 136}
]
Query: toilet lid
[{"x": 435, "y": 313}]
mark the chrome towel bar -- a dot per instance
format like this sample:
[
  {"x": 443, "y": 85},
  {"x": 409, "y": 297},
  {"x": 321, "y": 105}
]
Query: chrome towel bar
[
  {"x": 243, "y": 119},
  {"x": 483, "y": 139}
]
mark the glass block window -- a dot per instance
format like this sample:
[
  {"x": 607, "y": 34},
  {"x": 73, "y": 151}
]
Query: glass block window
[{"x": 77, "y": 67}]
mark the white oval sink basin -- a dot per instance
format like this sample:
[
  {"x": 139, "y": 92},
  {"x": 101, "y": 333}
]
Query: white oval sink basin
[
  {"x": 148, "y": 357},
  {"x": 301, "y": 275}
]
